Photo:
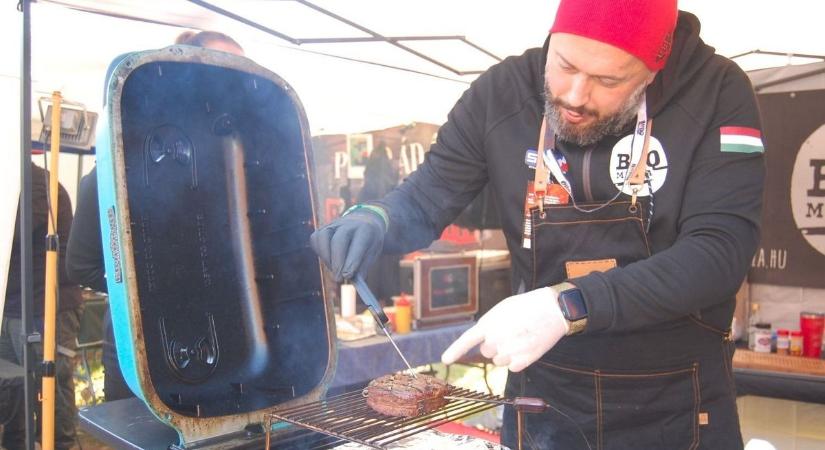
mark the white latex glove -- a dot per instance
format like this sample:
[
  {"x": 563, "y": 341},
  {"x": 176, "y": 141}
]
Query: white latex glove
[{"x": 515, "y": 332}]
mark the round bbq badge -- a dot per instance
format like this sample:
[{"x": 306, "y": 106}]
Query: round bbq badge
[{"x": 620, "y": 159}]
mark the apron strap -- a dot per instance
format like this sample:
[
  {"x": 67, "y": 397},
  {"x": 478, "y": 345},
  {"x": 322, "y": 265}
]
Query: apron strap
[
  {"x": 637, "y": 178},
  {"x": 541, "y": 175}
]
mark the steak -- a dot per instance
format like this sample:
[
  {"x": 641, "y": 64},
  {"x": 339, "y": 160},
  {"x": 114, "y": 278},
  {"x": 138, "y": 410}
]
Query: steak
[{"x": 406, "y": 396}]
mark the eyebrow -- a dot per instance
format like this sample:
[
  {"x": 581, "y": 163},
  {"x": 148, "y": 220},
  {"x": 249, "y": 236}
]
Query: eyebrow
[{"x": 603, "y": 77}]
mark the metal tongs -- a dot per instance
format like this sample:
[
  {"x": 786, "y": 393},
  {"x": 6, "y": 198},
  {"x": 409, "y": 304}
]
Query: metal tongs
[{"x": 378, "y": 313}]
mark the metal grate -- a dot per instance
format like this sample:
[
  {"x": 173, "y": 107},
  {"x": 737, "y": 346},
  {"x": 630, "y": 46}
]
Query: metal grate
[{"x": 349, "y": 418}]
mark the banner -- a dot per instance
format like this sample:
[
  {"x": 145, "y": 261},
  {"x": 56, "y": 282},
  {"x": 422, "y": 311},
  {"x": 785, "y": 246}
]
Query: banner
[{"x": 792, "y": 249}]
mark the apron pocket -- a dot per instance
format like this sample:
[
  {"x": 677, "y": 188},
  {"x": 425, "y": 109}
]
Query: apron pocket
[
  {"x": 565, "y": 238},
  {"x": 571, "y": 392},
  {"x": 650, "y": 410}
]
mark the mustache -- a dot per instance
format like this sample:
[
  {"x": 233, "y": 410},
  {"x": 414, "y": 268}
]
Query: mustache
[{"x": 557, "y": 102}]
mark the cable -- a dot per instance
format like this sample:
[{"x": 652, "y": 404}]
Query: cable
[{"x": 532, "y": 443}]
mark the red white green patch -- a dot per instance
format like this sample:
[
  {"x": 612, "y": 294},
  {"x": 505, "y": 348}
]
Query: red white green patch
[{"x": 741, "y": 140}]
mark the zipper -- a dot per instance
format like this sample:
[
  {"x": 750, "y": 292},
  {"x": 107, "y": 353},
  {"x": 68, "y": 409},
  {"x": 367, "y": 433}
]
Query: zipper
[{"x": 588, "y": 190}]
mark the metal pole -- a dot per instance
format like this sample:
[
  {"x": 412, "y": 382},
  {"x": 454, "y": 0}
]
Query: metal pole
[
  {"x": 30, "y": 336},
  {"x": 50, "y": 304}
]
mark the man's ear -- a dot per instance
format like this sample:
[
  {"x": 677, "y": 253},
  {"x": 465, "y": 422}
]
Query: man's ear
[{"x": 651, "y": 77}]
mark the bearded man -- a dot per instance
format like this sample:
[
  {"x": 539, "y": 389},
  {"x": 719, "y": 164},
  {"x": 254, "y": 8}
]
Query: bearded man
[{"x": 629, "y": 230}]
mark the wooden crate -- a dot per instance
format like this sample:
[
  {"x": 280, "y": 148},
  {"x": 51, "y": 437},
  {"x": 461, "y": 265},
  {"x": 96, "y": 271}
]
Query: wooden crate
[{"x": 747, "y": 359}]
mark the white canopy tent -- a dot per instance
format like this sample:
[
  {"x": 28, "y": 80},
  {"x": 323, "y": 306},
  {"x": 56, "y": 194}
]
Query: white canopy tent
[{"x": 345, "y": 87}]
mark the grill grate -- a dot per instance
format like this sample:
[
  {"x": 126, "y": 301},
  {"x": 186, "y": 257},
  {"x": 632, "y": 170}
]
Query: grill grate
[{"x": 348, "y": 417}]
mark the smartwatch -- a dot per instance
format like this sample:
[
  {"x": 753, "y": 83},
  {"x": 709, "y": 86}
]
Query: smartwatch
[{"x": 573, "y": 307}]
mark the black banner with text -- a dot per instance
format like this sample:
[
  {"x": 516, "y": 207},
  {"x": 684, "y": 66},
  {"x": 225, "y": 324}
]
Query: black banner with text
[{"x": 792, "y": 249}]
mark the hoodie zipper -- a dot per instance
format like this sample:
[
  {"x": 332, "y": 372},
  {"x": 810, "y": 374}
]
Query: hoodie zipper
[{"x": 588, "y": 190}]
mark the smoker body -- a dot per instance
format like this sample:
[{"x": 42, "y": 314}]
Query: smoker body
[{"x": 207, "y": 203}]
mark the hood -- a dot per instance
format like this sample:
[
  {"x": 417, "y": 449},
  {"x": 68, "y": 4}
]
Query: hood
[{"x": 688, "y": 56}]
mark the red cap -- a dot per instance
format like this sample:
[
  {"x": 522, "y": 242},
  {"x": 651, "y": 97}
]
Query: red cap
[{"x": 643, "y": 28}]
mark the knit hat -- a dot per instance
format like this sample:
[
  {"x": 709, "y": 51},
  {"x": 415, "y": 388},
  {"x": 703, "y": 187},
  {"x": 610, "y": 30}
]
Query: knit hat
[{"x": 643, "y": 28}]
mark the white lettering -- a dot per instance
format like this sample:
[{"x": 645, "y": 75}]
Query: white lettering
[
  {"x": 772, "y": 258},
  {"x": 341, "y": 164}
]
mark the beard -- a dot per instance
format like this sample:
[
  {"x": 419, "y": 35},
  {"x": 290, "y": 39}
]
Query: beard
[{"x": 611, "y": 124}]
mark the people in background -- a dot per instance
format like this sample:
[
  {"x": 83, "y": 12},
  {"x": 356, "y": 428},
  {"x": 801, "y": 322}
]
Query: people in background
[
  {"x": 380, "y": 177},
  {"x": 69, "y": 311},
  {"x": 627, "y": 163},
  {"x": 85, "y": 251}
]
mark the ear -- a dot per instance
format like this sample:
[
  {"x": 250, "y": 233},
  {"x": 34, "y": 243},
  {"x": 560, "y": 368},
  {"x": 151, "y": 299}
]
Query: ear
[{"x": 651, "y": 77}]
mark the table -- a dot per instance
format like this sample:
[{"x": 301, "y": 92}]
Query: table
[
  {"x": 129, "y": 424},
  {"x": 779, "y": 376}
]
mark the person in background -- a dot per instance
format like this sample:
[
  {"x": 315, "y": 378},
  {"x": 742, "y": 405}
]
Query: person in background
[
  {"x": 630, "y": 229},
  {"x": 69, "y": 311},
  {"x": 380, "y": 177},
  {"x": 85, "y": 252}
]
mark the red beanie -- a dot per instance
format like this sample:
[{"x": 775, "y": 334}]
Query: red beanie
[{"x": 643, "y": 28}]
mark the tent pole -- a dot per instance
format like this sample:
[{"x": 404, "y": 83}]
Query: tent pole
[{"x": 30, "y": 335}]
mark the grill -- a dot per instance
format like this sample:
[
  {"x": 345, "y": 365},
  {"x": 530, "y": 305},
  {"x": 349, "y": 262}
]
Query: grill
[{"x": 349, "y": 418}]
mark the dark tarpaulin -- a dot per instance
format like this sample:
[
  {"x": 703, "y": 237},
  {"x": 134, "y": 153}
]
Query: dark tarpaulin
[{"x": 793, "y": 215}]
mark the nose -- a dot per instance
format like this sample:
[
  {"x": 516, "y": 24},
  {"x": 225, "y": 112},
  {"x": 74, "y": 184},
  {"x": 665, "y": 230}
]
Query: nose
[{"x": 579, "y": 93}]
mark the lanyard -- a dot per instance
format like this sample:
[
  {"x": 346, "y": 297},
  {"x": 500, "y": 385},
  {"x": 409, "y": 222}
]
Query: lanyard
[{"x": 635, "y": 173}]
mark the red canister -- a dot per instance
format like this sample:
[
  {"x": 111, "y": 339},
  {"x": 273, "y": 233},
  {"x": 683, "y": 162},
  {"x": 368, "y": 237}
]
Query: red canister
[{"x": 811, "y": 324}]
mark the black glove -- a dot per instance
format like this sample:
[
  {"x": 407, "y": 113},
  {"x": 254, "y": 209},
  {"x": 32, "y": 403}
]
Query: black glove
[{"x": 350, "y": 244}]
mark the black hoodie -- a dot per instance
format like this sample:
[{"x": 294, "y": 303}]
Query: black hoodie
[{"x": 707, "y": 201}]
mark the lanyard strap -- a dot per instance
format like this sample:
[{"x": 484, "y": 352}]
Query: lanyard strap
[{"x": 635, "y": 172}]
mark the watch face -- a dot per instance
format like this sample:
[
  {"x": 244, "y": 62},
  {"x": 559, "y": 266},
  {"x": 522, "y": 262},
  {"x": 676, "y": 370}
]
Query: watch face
[{"x": 572, "y": 305}]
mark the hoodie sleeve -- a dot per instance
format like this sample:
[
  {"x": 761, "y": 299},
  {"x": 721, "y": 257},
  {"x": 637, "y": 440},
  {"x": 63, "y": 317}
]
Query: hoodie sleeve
[{"x": 718, "y": 228}]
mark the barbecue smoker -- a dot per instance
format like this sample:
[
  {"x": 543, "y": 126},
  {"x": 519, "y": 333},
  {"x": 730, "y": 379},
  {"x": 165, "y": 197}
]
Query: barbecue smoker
[
  {"x": 206, "y": 205},
  {"x": 222, "y": 325}
]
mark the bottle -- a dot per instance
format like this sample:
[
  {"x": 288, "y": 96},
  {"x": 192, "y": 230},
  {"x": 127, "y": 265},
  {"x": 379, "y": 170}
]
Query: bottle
[
  {"x": 783, "y": 341},
  {"x": 403, "y": 315},
  {"x": 347, "y": 300},
  {"x": 796, "y": 343},
  {"x": 762, "y": 338},
  {"x": 753, "y": 319}
]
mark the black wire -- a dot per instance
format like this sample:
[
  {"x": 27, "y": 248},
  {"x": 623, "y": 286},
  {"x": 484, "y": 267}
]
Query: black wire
[
  {"x": 650, "y": 211},
  {"x": 532, "y": 443}
]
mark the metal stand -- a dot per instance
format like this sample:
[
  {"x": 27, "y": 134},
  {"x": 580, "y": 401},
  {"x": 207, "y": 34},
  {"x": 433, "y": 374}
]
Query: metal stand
[{"x": 26, "y": 283}]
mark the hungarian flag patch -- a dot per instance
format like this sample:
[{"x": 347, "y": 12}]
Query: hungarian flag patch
[{"x": 741, "y": 140}]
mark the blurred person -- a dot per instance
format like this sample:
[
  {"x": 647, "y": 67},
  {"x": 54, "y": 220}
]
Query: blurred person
[
  {"x": 380, "y": 177},
  {"x": 69, "y": 311}
]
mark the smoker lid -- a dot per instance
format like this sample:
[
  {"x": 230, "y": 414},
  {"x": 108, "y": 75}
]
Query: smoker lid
[{"x": 207, "y": 202}]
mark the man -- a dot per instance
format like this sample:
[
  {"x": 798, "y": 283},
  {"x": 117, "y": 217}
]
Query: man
[
  {"x": 628, "y": 238},
  {"x": 69, "y": 310}
]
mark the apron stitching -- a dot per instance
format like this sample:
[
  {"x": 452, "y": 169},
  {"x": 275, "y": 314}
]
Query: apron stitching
[
  {"x": 619, "y": 375},
  {"x": 568, "y": 206},
  {"x": 697, "y": 400},
  {"x": 599, "y": 411},
  {"x": 581, "y": 222},
  {"x": 709, "y": 327},
  {"x": 644, "y": 235},
  {"x": 726, "y": 360}
]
